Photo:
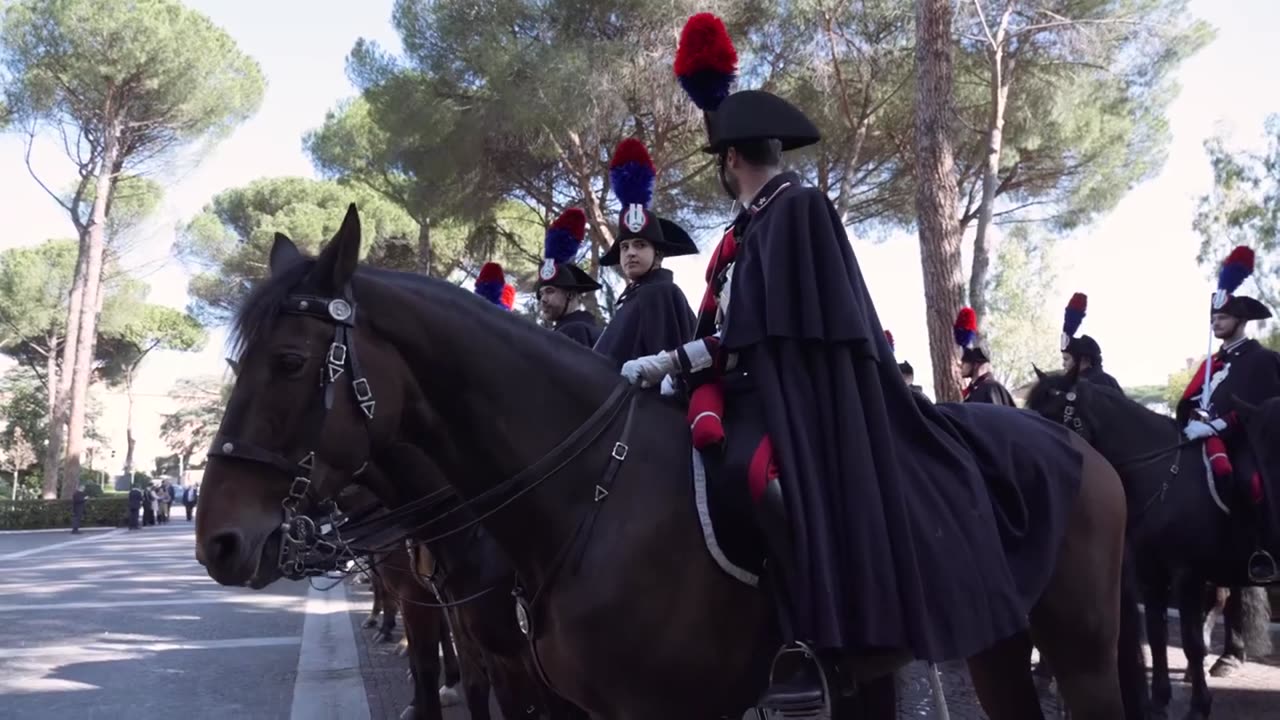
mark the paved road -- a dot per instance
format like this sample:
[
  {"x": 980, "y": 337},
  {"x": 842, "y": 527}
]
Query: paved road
[{"x": 120, "y": 624}]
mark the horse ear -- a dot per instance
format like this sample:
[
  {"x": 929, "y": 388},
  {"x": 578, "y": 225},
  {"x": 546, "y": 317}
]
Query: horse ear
[
  {"x": 235, "y": 367},
  {"x": 1040, "y": 374},
  {"x": 337, "y": 262},
  {"x": 284, "y": 254}
]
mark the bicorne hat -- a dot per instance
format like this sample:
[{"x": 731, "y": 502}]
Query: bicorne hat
[
  {"x": 632, "y": 173},
  {"x": 706, "y": 65},
  {"x": 1235, "y": 269},
  {"x": 966, "y": 334},
  {"x": 560, "y": 249}
]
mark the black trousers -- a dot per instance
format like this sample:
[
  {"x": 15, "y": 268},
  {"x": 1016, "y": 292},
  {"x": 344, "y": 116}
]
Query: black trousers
[
  {"x": 77, "y": 516},
  {"x": 190, "y": 507},
  {"x": 133, "y": 518}
]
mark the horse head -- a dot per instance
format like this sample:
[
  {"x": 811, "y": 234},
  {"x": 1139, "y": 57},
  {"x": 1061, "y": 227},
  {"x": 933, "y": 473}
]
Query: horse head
[{"x": 302, "y": 418}]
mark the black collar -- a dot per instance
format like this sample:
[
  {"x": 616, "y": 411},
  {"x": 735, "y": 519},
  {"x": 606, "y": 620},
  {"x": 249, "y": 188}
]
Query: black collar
[{"x": 577, "y": 316}]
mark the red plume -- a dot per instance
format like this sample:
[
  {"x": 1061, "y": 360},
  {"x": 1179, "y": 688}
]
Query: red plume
[
  {"x": 967, "y": 319},
  {"x": 508, "y": 296},
  {"x": 490, "y": 272},
  {"x": 889, "y": 336}
]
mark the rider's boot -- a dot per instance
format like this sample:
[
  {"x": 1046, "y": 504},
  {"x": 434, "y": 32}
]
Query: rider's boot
[{"x": 799, "y": 690}]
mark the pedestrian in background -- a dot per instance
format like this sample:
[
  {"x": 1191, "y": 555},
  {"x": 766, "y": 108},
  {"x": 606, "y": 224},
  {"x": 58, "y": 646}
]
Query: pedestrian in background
[
  {"x": 189, "y": 497},
  {"x": 149, "y": 507},
  {"x": 77, "y": 508},
  {"x": 135, "y": 506}
]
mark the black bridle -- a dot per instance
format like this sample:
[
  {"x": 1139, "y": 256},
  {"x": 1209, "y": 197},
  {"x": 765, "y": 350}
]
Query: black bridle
[{"x": 304, "y": 549}]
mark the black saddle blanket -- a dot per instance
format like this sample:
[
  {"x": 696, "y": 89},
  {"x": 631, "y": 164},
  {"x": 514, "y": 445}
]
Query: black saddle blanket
[{"x": 1032, "y": 477}]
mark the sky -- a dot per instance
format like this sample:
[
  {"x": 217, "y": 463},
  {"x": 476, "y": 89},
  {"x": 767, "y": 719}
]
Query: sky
[{"x": 1148, "y": 298}]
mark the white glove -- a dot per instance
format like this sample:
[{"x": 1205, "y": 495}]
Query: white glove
[
  {"x": 1197, "y": 430},
  {"x": 668, "y": 386},
  {"x": 648, "y": 370}
]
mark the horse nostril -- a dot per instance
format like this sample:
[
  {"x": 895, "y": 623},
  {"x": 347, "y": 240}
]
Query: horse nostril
[{"x": 223, "y": 548}]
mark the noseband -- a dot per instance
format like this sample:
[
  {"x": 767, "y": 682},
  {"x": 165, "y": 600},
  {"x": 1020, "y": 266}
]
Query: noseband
[{"x": 303, "y": 550}]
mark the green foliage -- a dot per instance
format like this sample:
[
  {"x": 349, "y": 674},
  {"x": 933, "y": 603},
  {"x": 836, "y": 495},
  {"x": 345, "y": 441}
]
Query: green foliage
[
  {"x": 1177, "y": 384},
  {"x": 1272, "y": 341},
  {"x": 229, "y": 241},
  {"x": 25, "y": 405},
  {"x": 34, "y": 284},
  {"x": 150, "y": 327},
  {"x": 165, "y": 75},
  {"x": 1244, "y": 208},
  {"x": 1018, "y": 330},
  {"x": 93, "y": 489},
  {"x": 109, "y": 511},
  {"x": 191, "y": 428},
  {"x": 1090, "y": 86}
]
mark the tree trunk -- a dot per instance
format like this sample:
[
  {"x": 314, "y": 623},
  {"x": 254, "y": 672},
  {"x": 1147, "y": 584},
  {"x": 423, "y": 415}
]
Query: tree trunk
[
  {"x": 87, "y": 335},
  {"x": 53, "y": 450},
  {"x": 424, "y": 247},
  {"x": 991, "y": 172},
  {"x": 936, "y": 193},
  {"x": 130, "y": 442}
]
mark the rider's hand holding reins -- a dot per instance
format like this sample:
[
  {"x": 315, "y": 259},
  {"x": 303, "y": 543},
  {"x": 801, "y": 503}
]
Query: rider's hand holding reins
[{"x": 1197, "y": 430}]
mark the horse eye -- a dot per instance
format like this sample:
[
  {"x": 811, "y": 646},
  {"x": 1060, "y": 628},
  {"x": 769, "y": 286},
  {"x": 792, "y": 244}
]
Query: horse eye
[{"x": 290, "y": 362}]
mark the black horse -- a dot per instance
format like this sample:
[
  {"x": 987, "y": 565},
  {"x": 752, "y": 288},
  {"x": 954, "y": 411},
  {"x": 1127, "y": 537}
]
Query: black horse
[
  {"x": 1179, "y": 530},
  {"x": 632, "y": 618}
]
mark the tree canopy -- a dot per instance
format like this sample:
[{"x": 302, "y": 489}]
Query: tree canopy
[
  {"x": 1019, "y": 330},
  {"x": 227, "y": 244},
  {"x": 1243, "y": 208}
]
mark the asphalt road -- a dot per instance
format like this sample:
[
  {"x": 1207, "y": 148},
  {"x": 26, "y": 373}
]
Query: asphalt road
[{"x": 120, "y": 624}]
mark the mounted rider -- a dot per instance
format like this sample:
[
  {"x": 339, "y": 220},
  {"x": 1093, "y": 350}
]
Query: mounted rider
[
  {"x": 908, "y": 372},
  {"x": 561, "y": 283},
  {"x": 491, "y": 284},
  {"x": 793, "y": 370},
  {"x": 1242, "y": 374},
  {"x": 975, "y": 365},
  {"x": 1082, "y": 356},
  {"x": 652, "y": 313}
]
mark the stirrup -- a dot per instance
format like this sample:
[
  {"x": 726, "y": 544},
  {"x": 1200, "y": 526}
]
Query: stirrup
[
  {"x": 1262, "y": 567},
  {"x": 797, "y": 700}
]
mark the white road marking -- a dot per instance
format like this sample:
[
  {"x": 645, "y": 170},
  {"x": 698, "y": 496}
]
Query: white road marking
[
  {"x": 260, "y": 600},
  {"x": 127, "y": 647},
  {"x": 43, "y": 548},
  {"x": 329, "y": 685}
]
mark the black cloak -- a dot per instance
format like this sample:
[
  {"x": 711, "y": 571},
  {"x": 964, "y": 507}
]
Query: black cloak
[
  {"x": 651, "y": 316},
  {"x": 579, "y": 326},
  {"x": 1097, "y": 376},
  {"x": 987, "y": 389},
  {"x": 910, "y": 528}
]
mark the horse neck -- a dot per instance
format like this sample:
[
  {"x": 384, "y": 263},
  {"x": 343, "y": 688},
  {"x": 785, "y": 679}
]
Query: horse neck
[
  {"x": 495, "y": 398},
  {"x": 1123, "y": 430}
]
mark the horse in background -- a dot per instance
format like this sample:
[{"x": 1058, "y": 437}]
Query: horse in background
[{"x": 1179, "y": 536}]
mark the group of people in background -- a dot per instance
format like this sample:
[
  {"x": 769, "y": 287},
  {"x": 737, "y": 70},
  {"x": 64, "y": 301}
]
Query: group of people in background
[{"x": 152, "y": 505}]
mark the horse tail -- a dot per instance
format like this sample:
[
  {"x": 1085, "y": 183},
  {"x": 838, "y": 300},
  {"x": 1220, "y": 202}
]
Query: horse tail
[
  {"x": 1255, "y": 621},
  {"x": 1131, "y": 661}
]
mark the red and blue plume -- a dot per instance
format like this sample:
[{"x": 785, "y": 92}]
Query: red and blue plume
[
  {"x": 889, "y": 336},
  {"x": 490, "y": 281},
  {"x": 1235, "y": 269},
  {"x": 631, "y": 172},
  {"x": 706, "y": 62},
  {"x": 966, "y": 327},
  {"x": 1074, "y": 314},
  {"x": 564, "y": 236},
  {"x": 508, "y": 297}
]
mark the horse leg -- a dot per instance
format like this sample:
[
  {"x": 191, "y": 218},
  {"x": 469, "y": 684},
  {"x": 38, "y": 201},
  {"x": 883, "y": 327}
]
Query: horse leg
[
  {"x": 422, "y": 628},
  {"x": 1191, "y": 608},
  {"x": 1155, "y": 600},
  {"x": 375, "y": 584},
  {"x": 1002, "y": 678},
  {"x": 1076, "y": 621},
  {"x": 452, "y": 674},
  {"x": 386, "y": 631}
]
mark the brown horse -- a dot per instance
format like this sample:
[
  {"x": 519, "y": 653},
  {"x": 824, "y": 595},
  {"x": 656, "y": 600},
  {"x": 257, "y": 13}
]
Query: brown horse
[{"x": 584, "y": 485}]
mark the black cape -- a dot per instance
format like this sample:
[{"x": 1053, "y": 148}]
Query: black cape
[
  {"x": 651, "y": 315},
  {"x": 579, "y": 326},
  {"x": 1098, "y": 377},
  {"x": 899, "y": 541},
  {"x": 989, "y": 390}
]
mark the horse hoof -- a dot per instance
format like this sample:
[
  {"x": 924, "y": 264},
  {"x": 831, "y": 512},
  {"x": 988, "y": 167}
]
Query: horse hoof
[
  {"x": 371, "y": 621},
  {"x": 408, "y": 675},
  {"x": 403, "y": 648},
  {"x": 1194, "y": 714},
  {"x": 382, "y": 637},
  {"x": 1224, "y": 667},
  {"x": 409, "y": 713},
  {"x": 449, "y": 696}
]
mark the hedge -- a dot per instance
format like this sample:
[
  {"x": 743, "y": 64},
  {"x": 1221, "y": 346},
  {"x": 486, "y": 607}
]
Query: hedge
[{"x": 40, "y": 514}]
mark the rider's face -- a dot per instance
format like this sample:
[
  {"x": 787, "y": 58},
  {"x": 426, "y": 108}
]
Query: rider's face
[
  {"x": 1225, "y": 326},
  {"x": 966, "y": 369},
  {"x": 1068, "y": 362},
  {"x": 638, "y": 258},
  {"x": 552, "y": 303}
]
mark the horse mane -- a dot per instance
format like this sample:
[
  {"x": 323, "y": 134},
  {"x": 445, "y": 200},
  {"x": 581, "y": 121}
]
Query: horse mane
[
  {"x": 1111, "y": 399},
  {"x": 259, "y": 312}
]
